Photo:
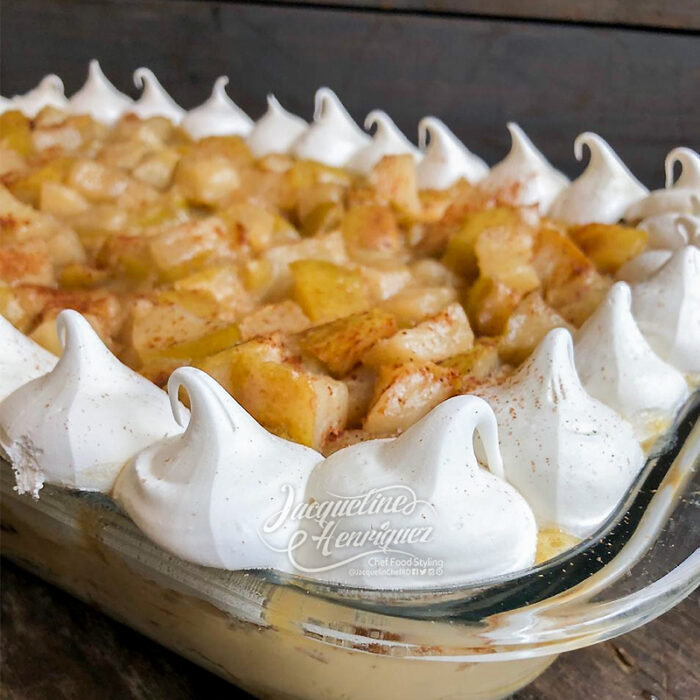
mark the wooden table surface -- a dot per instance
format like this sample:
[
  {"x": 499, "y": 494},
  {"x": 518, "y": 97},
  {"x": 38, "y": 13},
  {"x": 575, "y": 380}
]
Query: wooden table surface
[{"x": 55, "y": 647}]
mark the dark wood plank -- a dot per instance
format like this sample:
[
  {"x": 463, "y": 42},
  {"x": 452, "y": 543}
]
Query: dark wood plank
[
  {"x": 56, "y": 648},
  {"x": 671, "y": 14},
  {"x": 638, "y": 89}
]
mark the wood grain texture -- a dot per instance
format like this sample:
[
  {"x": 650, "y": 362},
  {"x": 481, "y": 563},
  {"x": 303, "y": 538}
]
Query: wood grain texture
[
  {"x": 638, "y": 89},
  {"x": 672, "y": 14},
  {"x": 56, "y": 648}
]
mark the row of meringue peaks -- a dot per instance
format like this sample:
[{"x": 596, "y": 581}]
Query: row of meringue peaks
[
  {"x": 81, "y": 417},
  {"x": 605, "y": 192},
  {"x": 216, "y": 493},
  {"x": 206, "y": 484},
  {"x": 568, "y": 460}
]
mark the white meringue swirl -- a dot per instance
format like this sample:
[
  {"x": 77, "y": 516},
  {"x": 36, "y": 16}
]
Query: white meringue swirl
[
  {"x": 387, "y": 141},
  {"x": 683, "y": 197},
  {"x": 217, "y": 116},
  {"x": 154, "y": 100},
  {"x": 446, "y": 159},
  {"x": 571, "y": 456},
  {"x": 276, "y": 130},
  {"x": 206, "y": 494},
  {"x": 333, "y": 137},
  {"x": 618, "y": 367},
  {"x": 99, "y": 98},
  {"x": 48, "y": 93},
  {"x": 603, "y": 191},
  {"x": 77, "y": 425},
  {"x": 667, "y": 309},
  {"x": 524, "y": 177},
  {"x": 480, "y": 526}
]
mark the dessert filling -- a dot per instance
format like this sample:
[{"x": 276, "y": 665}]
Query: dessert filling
[{"x": 374, "y": 338}]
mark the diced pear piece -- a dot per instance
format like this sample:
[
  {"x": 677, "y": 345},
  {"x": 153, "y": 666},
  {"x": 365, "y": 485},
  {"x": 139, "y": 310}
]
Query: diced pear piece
[
  {"x": 284, "y": 316},
  {"x": 326, "y": 291},
  {"x": 489, "y": 303},
  {"x": 287, "y": 400},
  {"x": 460, "y": 254},
  {"x": 324, "y": 217},
  {"x": 360, "y": 383},
  {"x": 256, "y": 228},
  {"x": 372, "y": 234},
  {"x": 129, "y": 256},
  {"x": 386, "y": 280},
  {"x": 157, "y": 167},
  {"x": 61, "y": 200},
  {"x": 27, "y": 262},
  {"x": 98, "y": 182},
  {"x": 610, "y": 246},
  {"x": 405, "y": 393},
  {"x": 223, "y": 284},
  {"x": 505, "y": 253},
  {"x": 394, "y": 181},
  {"x": 16, "y": 132},
  {"x": 82, "y": 276},
  {"x": 12, "y": 164},
  {"x": 171, "y": 318},
  {"x": 19, "y": 221},
  {"x": 206, "y": 180},
  {"x": 12, "y": 309},
  {"x": 341, "y": 344},
  {"x": 28, "y": 188},
  {"x": 438, "y": 337},
  {"x": 531, "y": 320},
  {"x": 415, "y": 304},
  {"x": 207, "y": 344},
  {"x": 572, "y": 284},
  {"x": 271, "y": 276},
  {"x": 476, "y": 365},
  {"x": 181, "y": 248}
]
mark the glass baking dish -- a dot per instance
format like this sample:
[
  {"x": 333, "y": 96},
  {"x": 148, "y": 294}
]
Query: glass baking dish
[{"x": 283, "y": 637}]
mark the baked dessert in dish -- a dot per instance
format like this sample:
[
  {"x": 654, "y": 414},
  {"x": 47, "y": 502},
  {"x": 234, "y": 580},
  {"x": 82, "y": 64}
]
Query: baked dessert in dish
[{"x": 373, "y": 352}]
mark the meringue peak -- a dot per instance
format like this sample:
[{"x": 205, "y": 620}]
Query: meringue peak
[
  {"x": 471, "y": 520},
  {"x": 603, "y": 191},
  {"x": 667, "y": 309},
  {"x": 386, "y": 141},
  {"x": 618, "y": 367},
  {"x": 48, "y": 93},
  {"x": 333, "y": 138},
  {"x": 22, "y": 359},
  {"x": 329, "y": 108},
  {"x": 208, "y": 494},
  {"x": 99, "y": 98},
  {"x": 525, "y": 176},
  {"x": 571, "y": 456},
  {"x": 276, "y": 131},
  {"x": 552, "y": 363},
  {"x": 219, "y": 115},
  {"x": 690, "y": 168},
  {"x": 446, "y": 159},
  {"x": 681, "y": 197},
  {"x": 154, "y": 100},
  {"x": 78, "y": 424},
  {"x": 446, "y": 436}
]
